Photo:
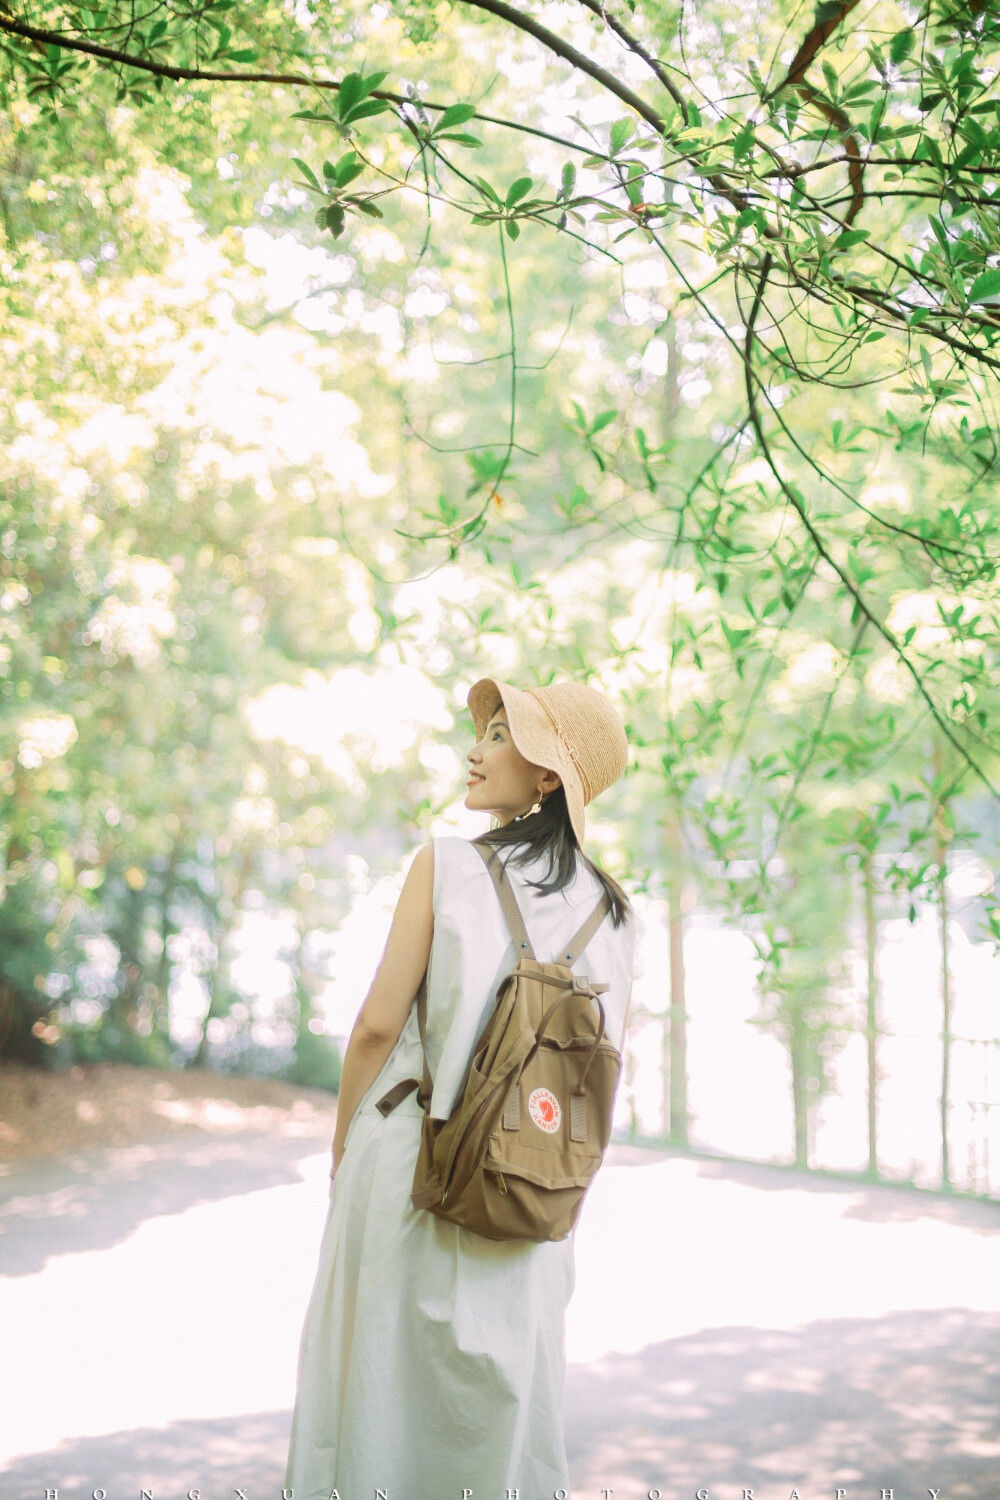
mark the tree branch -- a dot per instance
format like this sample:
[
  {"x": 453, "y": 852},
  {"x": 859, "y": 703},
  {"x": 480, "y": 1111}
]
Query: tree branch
[
  {"x": 572, "y": 55},
  {"x": 795, "y": 78},
  {"x": 38, "y": 35},
  {"x": 795, "y": 501},
  {"x": 607, "y": 80},
  {"x": 599, "y": 8},
  {"x": 809, "y": 46}
]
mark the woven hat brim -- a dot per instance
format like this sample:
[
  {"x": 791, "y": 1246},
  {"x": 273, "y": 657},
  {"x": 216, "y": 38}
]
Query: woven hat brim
[{"x": 534, "y": 734}]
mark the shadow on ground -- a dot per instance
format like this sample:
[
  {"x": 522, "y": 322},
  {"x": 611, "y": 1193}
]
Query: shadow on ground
[
  {"x": 213, "y": 1457},
  {"x": 97, "y": 1199},
  {"x": 93, "y": 1200},
  {"x": 880, "y": 1202},
  {"x": 906, "y": 1402}
]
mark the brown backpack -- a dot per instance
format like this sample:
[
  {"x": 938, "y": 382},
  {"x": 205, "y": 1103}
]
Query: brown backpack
[{"x": 522, "y": 1144}]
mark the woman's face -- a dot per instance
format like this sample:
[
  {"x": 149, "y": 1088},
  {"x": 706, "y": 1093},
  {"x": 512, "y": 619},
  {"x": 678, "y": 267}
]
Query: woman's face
[{"x": 501, "y": 781}]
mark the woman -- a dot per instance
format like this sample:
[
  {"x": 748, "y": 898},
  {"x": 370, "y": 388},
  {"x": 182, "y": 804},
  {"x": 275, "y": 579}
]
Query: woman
[{"x": 432, "y": 1359}]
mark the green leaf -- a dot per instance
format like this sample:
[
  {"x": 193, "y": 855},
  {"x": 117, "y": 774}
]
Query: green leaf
[
  {"x": 621, "y": 131},
  {"x": 902, "y": 45},
  {"x": 568, "y": 179},
  {"x": 307, "y": 172},
  {"x": 518, "y": 189},
  {"x": 734, "y": 636},
  {"x": 849, "y": 237},
  {"x": 352, "y": 90},
  {"x": 364, "y": 111},
  {"x": 941, "y": 234},
  {"x": 488, "y": 191},
  {"x": 986, "y": 285},
  {"x": 460, "y": 139},
  {"x": 743, "y": 144},
  {"x": 633, "y": 188},
  {"x": 455, "y": 114},
  {"x": 602, "y": 421},
  {"x": 513, "y": 228}
]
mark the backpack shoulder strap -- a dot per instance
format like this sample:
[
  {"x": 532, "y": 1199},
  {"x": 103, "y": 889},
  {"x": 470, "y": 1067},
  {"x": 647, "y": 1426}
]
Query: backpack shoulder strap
[
  {"x": 515, "y": 921},
  {"x": 508, "y": 901},
  {"x": 576, "y": 944}
]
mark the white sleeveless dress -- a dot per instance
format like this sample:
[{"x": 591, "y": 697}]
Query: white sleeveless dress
[{"x": 432, "y": 1360}]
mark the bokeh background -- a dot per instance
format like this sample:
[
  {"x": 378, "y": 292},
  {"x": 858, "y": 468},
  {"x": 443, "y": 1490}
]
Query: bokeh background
[{"x": 272, "y": 500}]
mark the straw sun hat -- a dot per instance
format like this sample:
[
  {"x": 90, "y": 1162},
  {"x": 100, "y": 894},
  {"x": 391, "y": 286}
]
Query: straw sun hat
[{"x": 568, "y": 727}]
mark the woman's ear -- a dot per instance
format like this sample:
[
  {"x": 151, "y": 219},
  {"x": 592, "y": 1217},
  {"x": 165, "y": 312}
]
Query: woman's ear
[{"x": 549, "y": 781}]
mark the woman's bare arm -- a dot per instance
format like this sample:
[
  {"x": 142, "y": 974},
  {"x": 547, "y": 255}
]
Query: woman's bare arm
[{"x": 387, "y": 1004}]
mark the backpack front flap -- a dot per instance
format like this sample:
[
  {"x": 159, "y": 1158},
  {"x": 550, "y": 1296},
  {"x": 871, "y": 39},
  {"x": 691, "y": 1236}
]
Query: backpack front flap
[
  {"x": 451, "y": 1149},
  {"x": 556, "y": 1121}
]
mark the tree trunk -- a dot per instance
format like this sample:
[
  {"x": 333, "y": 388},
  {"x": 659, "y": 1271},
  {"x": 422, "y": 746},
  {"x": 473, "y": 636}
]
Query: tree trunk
[
  {"x": 628, "y": 1068},
  {"x": 945, "y": 1010},
  {"x": 220, "y": 936},
  {"x": 800, "y": 1095},
  {"x": 942, "y": 843},
  {"x": 164, "y": 968},
  {"x": 678, "y": 1119},
  {"x": 674, "y": 1059},
  {"x": 665, "y": 1076},
  {"x": 17, "y": 847},
  {"x": 871, "y": 1007}
]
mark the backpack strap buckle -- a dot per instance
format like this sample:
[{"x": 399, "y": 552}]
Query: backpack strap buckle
[
  {"x": 397, "y": 1094},
  {"x": 582, "y": 985}
]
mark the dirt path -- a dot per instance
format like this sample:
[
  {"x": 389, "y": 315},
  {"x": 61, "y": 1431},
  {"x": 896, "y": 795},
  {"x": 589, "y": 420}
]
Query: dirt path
[
  {"x": 733, "y": 1326},
  {"x": 48, "y": 1114}
]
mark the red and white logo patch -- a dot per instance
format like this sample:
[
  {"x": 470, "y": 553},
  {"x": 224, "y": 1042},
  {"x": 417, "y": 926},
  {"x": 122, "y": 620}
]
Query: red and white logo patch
[{"x": 543, "y": 1107}]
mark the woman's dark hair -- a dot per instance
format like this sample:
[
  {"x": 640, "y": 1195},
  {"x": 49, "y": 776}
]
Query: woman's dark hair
[{"x": 549, "y": 831}]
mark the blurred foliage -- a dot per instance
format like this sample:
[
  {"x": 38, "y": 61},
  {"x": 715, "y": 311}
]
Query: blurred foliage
[{"x": 652, "y": 345}]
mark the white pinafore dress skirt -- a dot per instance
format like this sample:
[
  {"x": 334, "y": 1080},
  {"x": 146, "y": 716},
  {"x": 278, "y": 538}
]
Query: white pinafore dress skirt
[{"x": 432, "y": 1360}]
